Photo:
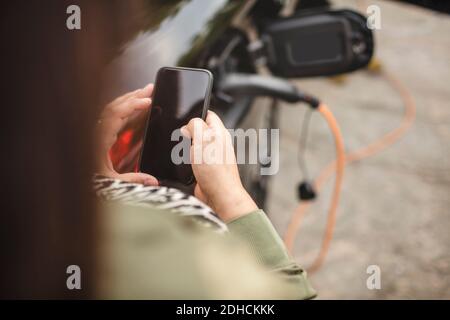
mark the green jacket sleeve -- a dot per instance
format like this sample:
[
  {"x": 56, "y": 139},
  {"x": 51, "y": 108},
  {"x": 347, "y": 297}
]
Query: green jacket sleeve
[
  {"x": 267, "y": 247},
  {"x": 145, "y": 253}
]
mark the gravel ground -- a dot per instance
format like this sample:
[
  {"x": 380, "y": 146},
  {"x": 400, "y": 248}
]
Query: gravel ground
[{"x": 394, "y": 211}]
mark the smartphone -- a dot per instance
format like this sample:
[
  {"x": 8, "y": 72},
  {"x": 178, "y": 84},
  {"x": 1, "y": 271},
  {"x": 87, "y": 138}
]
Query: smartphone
[{"x": 179, "y": 95}]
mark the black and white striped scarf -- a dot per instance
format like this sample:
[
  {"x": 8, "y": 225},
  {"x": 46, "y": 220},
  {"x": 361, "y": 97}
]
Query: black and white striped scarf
[{"x": 163, "y": 198}]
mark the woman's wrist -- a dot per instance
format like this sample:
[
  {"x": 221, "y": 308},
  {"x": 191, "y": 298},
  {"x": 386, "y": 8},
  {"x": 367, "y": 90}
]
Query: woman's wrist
[{"x": 235, "y": 204}]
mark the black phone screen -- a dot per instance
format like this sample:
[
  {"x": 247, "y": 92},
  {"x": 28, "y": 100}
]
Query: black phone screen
[{"x": 179, "y": 95}]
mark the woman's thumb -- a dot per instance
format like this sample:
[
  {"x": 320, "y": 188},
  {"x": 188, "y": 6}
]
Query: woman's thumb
[{"x": 139, "y": 177}]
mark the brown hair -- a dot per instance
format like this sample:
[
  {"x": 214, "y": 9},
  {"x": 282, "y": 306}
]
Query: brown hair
[{"x": 51, "y": 82}]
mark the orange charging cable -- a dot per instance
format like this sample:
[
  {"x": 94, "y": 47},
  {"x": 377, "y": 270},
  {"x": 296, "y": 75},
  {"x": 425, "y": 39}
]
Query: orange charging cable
[{"x": 338, "y": 165}]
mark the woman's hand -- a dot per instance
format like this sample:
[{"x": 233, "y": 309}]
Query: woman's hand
[
  {"x": 215, "y": 169},
  {"x": 112, "y": 120}
]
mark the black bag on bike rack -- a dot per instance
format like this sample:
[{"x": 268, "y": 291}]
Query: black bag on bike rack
[{"x": 317, "y": 43}]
